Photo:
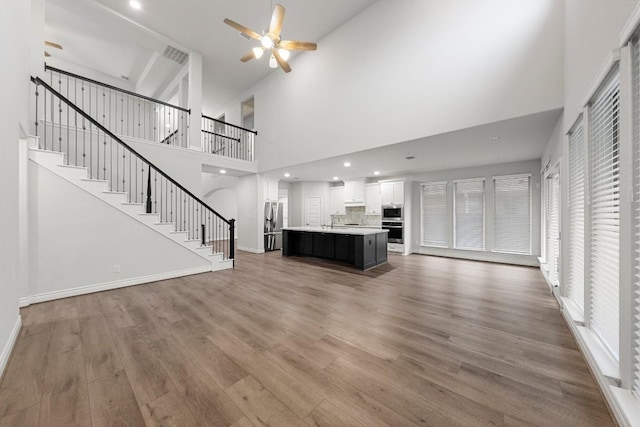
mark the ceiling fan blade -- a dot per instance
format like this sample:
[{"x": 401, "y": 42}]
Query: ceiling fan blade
[
  {"x": 249, "y": 56},
  {"x": 47, "y": 54},
  {"x": 242, "y": 29},
  {"x": 294, "y": 45},
  {"x": 52, "y": 44},
  {"x": 283, "y": 64},
  {"x": 276, "y": 20}
]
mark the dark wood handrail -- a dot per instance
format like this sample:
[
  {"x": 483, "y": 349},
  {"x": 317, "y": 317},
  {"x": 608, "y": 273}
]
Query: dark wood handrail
[
  {"x": 39, "y": 81},
  {"x": 108, "y": 86},
  {"x": 255, "y": 132},
  {"x": 221, "y": 135}
]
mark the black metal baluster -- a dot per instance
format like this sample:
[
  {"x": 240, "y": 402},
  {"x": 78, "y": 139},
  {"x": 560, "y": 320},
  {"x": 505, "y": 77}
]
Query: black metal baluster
[
  {"x": 149, "y": 204},
  {"x": 37, "y": 93},
  {"x": 44, "y": 121},
  {"x": 232, "y": 233}
]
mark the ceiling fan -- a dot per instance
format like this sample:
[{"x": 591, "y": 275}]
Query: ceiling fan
[
  {"x": 51, "y": 44},
  {"x": 271, "y": 42}
]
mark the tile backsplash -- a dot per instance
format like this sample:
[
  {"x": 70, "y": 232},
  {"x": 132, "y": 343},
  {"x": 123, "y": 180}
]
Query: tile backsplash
[{"x": 355, "y": 215}]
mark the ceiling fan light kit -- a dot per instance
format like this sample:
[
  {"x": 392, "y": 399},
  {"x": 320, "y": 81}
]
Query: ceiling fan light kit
[{"x": 279, "y": 49}]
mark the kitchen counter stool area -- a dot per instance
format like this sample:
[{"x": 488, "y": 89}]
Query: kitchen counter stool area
[{"x": 364, "y": 248}]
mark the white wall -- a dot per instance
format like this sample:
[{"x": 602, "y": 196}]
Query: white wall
[
  {"x": 592, "y": 31},
  {"x": 15, "y": 24},
  {"x": 298, "y": 192},
  {"x": 487, "y": 172},
  {"x": 76, "y": 240},
  {"x": 250, "y": 223},
  {"x": 407, "y": 69}
]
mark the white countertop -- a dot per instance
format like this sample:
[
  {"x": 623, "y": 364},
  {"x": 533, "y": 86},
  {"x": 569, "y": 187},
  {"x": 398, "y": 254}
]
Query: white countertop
[{"x": 341, "y": 230}]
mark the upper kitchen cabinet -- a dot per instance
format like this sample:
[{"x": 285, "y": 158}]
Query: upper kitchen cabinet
[
  {"x": 270, "y": 189},
  {"x": 354, "y": 192},
  {"x": 392, "y": 193},
  {"x": 373, "y": 199},
  {"x": 336, "y": 201}
]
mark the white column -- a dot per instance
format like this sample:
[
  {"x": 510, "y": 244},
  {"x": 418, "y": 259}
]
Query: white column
[{"x": 195, "y": 99}]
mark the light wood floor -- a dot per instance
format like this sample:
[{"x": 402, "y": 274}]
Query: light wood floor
[{"x": 420, "y": 341}]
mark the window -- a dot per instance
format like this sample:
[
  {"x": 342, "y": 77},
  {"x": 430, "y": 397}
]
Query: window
[
  {"x": 575, "y": 257},
  {"x": 434, "y": 214},
  {"x": 635, "y": 97},
  {"x": 512, "y": 214},
  {"x": 604, "y": 233},
  {"x": 468, "y": 225},
  {"x": 552, "y": 208},
  {"x": 247, "y": 111}
]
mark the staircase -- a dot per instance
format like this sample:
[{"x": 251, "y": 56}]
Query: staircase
[
  {"x": 54, "y": 161},
  {"x": 84, "y": 152}
]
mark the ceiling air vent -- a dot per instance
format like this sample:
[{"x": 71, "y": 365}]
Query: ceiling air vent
[{"x": 175, "y": 55}]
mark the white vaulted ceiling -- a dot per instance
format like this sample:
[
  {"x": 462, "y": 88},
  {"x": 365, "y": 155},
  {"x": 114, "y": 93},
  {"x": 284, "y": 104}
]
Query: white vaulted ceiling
[{"x": 110, "y": 37}]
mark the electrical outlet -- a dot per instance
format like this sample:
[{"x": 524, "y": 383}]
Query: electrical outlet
[{"x": 116, "y": 268}]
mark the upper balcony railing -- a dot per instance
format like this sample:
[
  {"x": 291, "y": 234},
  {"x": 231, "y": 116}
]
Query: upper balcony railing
[
  {"x": 130, "y": 114},
  {"x": 224, "y": 139},
  {"x": 123, "y": 112}
]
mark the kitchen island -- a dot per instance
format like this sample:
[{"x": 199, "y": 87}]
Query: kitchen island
[{"x": 364, "y": 248}]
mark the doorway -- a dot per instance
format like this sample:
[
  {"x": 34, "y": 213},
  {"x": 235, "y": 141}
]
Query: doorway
[{"x": 313, "y": 211}]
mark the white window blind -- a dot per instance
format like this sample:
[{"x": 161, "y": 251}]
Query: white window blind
[
  {"x": 512, "y": 214},
  {"x": 434, "y": 214},
  {"x": 604, "y": 162},
  {"x": 635, "y": 67},
  {"x": 469, "y": 214},
  {"x": 575, "y": 257},
  {"x": 553, "y": 227}
]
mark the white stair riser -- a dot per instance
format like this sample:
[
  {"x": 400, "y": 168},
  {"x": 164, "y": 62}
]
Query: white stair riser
[
  {"x": 48, "y": 159},
  {"x": 92, "y": 186},
  {"x": 73, "y": 173},
  {"x": 115, "y": 199}
]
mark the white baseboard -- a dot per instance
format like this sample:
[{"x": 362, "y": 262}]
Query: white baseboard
[
  {"x": 81, "y": 290},
  {"x": 6, "y": 351},
  {"x": 608, "y": 390},
  {"x": 252, "y": 250}
]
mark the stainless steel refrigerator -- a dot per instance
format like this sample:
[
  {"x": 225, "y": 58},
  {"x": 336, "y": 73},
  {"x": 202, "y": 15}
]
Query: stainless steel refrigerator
[{"x": 272, "y": 226}]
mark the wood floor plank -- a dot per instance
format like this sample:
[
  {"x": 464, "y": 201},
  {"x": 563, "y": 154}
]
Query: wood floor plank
[
  {"x": 100, "y": 355},
  {"x": 65, "y": 399},
  {"x": 23, "y": 380},
  {"x": 169, "y": 410},
  {"x": 243, "y": 422},
  {"x": 291, "y": 391},
  {"x": 351, "y": 401},
  {"x": 420, "y": 340},
  {"x": 148, "y": 378},
  {"x": 27, "y": 417},
  {"x": 208, "y": 403},
  {"x": 112, "y": 402},
  {"x": 257, "y": 403},
  {"x": 328, "y": 415},
  {"x": 224, "y": 371}
]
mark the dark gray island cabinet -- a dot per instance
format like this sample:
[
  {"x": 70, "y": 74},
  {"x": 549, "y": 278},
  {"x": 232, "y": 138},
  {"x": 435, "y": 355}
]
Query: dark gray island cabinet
[{"x": 363, "y": 248}]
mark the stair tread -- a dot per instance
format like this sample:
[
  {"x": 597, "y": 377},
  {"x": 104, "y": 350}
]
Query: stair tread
[
  {"x": 77, "y": 167},
  {"x": 91, "y": 179}
]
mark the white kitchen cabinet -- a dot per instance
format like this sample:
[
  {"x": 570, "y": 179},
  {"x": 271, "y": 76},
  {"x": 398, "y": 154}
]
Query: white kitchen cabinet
[
  {"x": 336, "y": 201},
  {"x": 354, "y": 192},
  {"x": 270, "y": 189},
  {"x": 372, "y": 199},
  {"x": 392, "y": 193}
]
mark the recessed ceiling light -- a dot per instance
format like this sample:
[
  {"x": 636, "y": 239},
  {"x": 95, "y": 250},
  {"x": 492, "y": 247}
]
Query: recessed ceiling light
[
  {"x": 222, "y": 171},
  {"x": 335, "y": 178},
  {"x": 135, "y": 4},
  {"x": 347, "y": 164},
  {"x": 287, "y": 175},
  {"x": 495, "y": 138},
  {"x": 376, "y": 173}
]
